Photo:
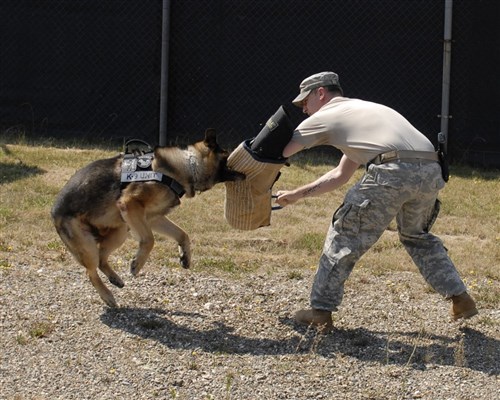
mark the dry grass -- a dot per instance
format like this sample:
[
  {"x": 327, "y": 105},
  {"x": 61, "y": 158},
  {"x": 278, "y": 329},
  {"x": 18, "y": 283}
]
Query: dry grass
[
  {"x": 224, "y": 329},
  {"x": 469, "y": 222}
]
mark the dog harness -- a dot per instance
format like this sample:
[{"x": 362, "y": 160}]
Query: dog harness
[{"x": 136, "y": 167}]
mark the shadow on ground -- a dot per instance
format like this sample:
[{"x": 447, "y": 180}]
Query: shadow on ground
[
  {"x": 470, "y": 349},
  {"x": 16, "y": 170}
]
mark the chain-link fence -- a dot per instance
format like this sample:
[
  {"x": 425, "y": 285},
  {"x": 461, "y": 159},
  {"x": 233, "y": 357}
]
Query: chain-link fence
[
  {"x": 92, "y": 68},
  {"x": 475, "y": 83},
  {"x": 247, "y": 57},
  {"x": 80, "y": 68}
]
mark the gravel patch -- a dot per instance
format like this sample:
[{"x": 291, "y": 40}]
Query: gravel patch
[{"x": 201, "y": 335}]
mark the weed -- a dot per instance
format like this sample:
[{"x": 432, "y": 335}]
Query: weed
[
  {"x": 488, "y": 321},
  {"x": 420, "y": 335},
  {"x": 229, "y": 384},
  {"x": 21, "y": 339},
  {"x": 459, "y": 353},
  {"x": 193, "y": 366},
  {"x": 297, "y": 275},
  {"x": 40, "y": 330},
  {"x": 5, "y": 265},
  {"x": 387, "y": 350},
  {"x": 55, "y": 245}
]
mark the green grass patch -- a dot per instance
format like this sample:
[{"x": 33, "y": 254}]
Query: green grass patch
[
  {"x": 224, "y": 264},
  {"x": 310, "y": 241}
]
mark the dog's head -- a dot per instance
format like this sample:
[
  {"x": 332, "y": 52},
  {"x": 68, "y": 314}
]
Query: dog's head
[{"x": 211, "y": 162}]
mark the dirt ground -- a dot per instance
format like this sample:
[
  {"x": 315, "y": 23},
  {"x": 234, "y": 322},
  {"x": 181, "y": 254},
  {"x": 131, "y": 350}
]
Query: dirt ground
[{"x": 194, "y": 334}]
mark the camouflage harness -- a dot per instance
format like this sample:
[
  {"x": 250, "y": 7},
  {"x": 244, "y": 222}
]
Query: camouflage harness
[{"x": 136, "y": 167}]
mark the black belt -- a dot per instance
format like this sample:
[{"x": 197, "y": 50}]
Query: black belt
[{"x": 404, "y": 156}]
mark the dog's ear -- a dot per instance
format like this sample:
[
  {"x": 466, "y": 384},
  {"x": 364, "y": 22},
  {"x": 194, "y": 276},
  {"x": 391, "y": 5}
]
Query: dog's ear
[{"x": 211, "y": 138}]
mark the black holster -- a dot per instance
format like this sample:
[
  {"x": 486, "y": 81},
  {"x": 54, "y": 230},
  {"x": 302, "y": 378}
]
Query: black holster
[{"x": 443, "y": 161}]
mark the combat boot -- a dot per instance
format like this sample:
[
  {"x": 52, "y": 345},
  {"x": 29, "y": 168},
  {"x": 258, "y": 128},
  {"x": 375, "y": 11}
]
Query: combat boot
[
  {"x": 320, "y": 319},
  {"x": 463, "y": 306}
]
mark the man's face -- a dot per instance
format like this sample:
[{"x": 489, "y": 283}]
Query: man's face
[{"x": 313, "y": 102}]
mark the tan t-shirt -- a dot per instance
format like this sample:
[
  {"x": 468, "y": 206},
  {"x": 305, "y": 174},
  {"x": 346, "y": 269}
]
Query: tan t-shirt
[{"x": 360, "y": 129}]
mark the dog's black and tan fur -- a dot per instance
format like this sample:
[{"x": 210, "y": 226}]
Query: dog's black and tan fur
[{"x": 93, "y": 213}]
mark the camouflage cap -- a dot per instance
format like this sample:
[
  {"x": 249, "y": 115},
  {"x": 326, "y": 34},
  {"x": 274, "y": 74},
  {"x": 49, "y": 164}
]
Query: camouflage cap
[{"x": 327, "y": 78}]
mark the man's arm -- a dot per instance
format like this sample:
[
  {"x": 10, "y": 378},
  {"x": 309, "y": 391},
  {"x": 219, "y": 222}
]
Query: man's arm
[
  {"x": 292, "y": 148},
  {"x": 330, "y": 181}
]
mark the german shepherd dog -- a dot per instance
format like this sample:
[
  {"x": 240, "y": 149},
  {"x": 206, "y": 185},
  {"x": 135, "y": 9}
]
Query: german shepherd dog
[{"x": 96, "y": 208}]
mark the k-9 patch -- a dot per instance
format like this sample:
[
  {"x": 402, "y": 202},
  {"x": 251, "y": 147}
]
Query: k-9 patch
[
  {"x": 141, "y": 176},
  {"x": 138, "y": 169}
]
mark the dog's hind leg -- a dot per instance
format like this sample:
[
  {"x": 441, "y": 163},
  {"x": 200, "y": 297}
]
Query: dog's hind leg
[
  {"x": 164, "y": 226},
  {"x": 134, "y": 215},
  {"x": 109, "y": 243},
  {"x": 82, "y": 244}
]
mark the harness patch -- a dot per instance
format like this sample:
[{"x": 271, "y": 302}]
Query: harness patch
[
  {"x": 136, "y": 167},
  {"x": 131, "y": 164}
]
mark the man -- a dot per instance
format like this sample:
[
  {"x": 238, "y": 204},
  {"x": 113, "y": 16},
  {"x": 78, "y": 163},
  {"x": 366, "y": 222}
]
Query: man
[{"x": 402, "y": 180}]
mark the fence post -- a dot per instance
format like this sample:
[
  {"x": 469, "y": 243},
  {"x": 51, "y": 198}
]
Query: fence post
[
  {"x": 445, "y": 96},
  {"x": 165, "y": 38}
]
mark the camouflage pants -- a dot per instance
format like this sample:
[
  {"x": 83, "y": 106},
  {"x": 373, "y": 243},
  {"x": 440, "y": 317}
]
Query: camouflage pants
[{"x": 407, "y": 191}]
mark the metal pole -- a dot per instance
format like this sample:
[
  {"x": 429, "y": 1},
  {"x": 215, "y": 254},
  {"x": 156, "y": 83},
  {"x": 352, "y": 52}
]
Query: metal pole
[
  {"x": 165, "y": 30},
  {"x": 445, "y": 96}
]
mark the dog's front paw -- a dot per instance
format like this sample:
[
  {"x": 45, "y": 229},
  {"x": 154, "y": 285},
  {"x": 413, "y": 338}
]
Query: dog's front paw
[
  {"x": 184, "y": 260},
  {"x": 116, "y": 280},
  {"x": 111, "y": 303},
  {"x": 185, "y": 253}
]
